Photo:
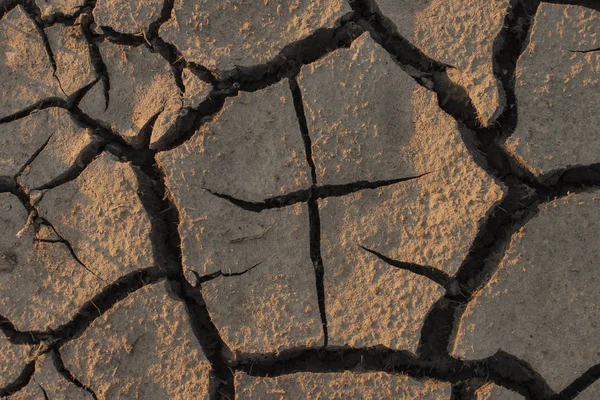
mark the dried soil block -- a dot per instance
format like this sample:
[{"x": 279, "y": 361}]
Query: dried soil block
[
  {"x": 459, "y": 33},
  {"x": 278, "y": 297},
  {"x": 25, "y": 70},
  {"x": 221, "y": 35},
  {"x": 370, "y": 121},
  {"x": 142, "y": 348},
  {"x": 543, "y": 303},
  {"x": 558, "y": 89}
]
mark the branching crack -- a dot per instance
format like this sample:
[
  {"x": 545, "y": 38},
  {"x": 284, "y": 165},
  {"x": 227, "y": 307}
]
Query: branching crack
[{"x": 525, "y": 192}]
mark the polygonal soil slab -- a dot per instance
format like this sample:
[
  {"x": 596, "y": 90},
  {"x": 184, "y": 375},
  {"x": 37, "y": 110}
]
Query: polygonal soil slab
[
  {"x": 461, "y": 33},
  {"x": 431, "y": 220},
  {"x": 41, "y": 283},
  {"x": 127, "y": 16},
  {"x": 73, "y": 68},
  {"x": 25, "y": 70},
  {"x": 543, "y": 303},
  {"x": 142, "y": 348},
  {"x": 12, "y": 361},
  {"x": 225, "y": 34},
  {"x": 48, "y": 381},
  {"x": 141, "y": 84},
  {"x": 61, "y": 141},
  {"x": 101, "y": 214},
  {"x": 252, "y": 150},
  {"x": 345, "y": 385},
  {"x": 558, "y": 90}
]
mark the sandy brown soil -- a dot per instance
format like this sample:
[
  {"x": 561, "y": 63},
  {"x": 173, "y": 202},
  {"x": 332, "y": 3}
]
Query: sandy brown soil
[{"x": 363, "y": 199}]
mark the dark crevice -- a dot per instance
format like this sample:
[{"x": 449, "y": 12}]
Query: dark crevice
[
  {"x": 33, "y": 157},
  {"x": 62, "y": 370},
  {"x": 166, "y": 248},
  {"x": 7, "y": 5},
  {"x": 187, "y": 123},
  {"x": 318, "y": 192},
  {"x": 586, "y": 51},
  {"x": 85, "y": 157},
  {"x": 33, "y": 12},
  {"x": 44, "y": 393},
  {"x": 482, "y": 260},
  {"x": 69, "y": 19},
  {"x": 501, "y": 368},
  {"x": 87, "y": 313},
  {"x": 200, "y": 279},
  {"x": 466, "y": 390},
  {"x": 70, "y": 104},
  {"x": 20, "y": 382},
  {"x": 565, "y": 181},
  {"x": 144, "y": 136},
  {"x": 95, "y": 56},
  {"x": 51, "y": 102},
  {"x": 102, "y": 302},
  {"x": 124, "y": 39},
  {"x": 436, "y": 275},
  {"x": 587, "y": 379},
  {"x": 508, "y": 46},
  {"x": 165, "y": 15},
  {"x": 69, "y": 247},
  {"x": 317, "y": 261},
  {"x": 208, "y": 336},
  {"x": 292, "y": 57},
  {"x": 301, "y": 116}
]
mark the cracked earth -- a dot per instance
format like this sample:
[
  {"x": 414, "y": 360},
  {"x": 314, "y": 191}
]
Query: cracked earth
[{"x": 323, "y": 199}]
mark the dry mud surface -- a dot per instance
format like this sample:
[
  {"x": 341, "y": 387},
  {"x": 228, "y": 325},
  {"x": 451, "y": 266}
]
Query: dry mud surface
[{"x": 299, "y": 199}]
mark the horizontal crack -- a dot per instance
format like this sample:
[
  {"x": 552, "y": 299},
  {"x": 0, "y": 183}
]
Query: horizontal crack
[
  {"x": 501, "y": 368},
  {"x": 318, "y": 192}
]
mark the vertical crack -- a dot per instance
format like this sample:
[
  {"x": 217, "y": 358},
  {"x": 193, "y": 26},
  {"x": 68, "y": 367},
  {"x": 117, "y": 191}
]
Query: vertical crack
[
  {"x": 87, "y": 21},
  {"x": 301, "y": 116},
  {"x": 315, "y": 255},
  {"x": 312, "y": 204},
  {"x": 166, "y": 247}
]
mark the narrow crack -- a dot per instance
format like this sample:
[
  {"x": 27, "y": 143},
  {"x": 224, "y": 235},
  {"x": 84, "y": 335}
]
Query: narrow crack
[
  {"x": 101, "y": 303},
  {"x": 301, "y": 116},
  {"x": 436, "y": 275},
  {"x": 85, "y": 157},
  {"x": 33, "y": 12},
  {"x": 62, "y": 370},
  {"x": 95, "y": 56},
  {"x": 312, "y": 204},
  {"x": 318, "y": 192},
  {"x": 44, "y": 393}
]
